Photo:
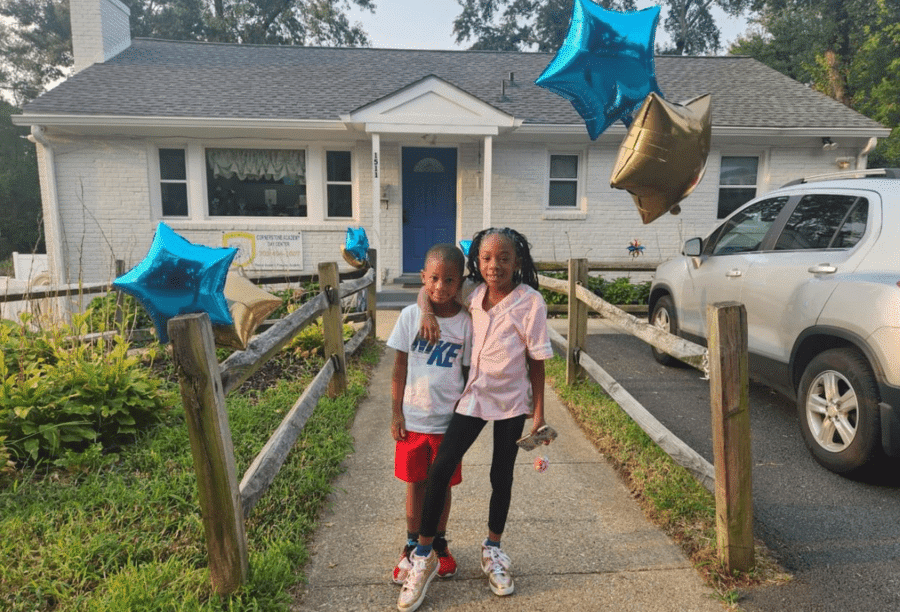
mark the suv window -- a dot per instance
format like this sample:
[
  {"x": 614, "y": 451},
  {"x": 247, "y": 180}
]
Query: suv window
[
  {"x": 745, "y": 231},
  {"x": 825, "y": 221}
]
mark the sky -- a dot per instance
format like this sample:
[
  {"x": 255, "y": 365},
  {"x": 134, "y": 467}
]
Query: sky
[{"x": 428, "y": 24}]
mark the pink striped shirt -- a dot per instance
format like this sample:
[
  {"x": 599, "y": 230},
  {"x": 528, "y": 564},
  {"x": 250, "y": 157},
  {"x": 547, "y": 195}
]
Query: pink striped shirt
[{"x": 499, "y": 386}]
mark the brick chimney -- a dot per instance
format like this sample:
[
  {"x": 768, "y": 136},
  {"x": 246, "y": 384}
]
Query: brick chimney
[{"x": 100, "y": 30}]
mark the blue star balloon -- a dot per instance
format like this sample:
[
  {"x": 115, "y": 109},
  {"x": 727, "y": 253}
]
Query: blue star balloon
[
  {"x": 356, "y": 247},
  {"x": 605, "y": 66},
  {"x": 177, "y": 277},
  {"x": 465, "y": 245}
]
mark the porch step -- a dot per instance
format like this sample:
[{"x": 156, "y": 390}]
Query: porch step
[{"x": 409, "y": 281}]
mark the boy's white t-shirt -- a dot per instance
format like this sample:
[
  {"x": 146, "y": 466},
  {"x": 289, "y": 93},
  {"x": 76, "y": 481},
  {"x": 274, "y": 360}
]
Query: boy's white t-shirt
[{"x": 434, "y": 375}]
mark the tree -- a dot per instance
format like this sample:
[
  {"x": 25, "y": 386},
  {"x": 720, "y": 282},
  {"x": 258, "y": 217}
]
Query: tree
[
  {"x": 691, "y": 25},
  {"x": 509, "y": 25},
  {"x": 519, "y": 25},
  {"x": 20, "y": 195},
  {"x": 36, "y": 48},
  {"x": 847, "y": 49}
]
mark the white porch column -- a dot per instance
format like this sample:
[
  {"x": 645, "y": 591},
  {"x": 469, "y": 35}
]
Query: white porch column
[
  {"x": 376, "y": 207},
  {"x": 486, "y": 183}
]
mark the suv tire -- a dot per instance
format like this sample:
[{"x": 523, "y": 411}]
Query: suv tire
[
  {"x": 837, "y": 406},
  {"x": 664, "y": 317}
]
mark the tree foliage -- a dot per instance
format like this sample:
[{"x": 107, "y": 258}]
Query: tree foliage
[
  {"x": 20, "y": 197},
  {"x": 691, "y": 26},
  {"x": 519, "y": 25},
  {"x": 36, "y": 46},
  {"x": 516, "y": 25},
  {"x": 847, "y": 49}
]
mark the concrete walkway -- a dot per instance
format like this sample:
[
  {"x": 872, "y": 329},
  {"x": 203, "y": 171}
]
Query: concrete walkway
[{"x": 577, "y": 539}]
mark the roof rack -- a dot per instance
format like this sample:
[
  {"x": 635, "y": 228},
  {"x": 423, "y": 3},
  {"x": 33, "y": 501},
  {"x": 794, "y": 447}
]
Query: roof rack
[{"x": 892, "y": 173}]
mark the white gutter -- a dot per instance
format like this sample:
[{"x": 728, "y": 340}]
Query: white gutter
[
  {"x": 619, "y": 129},
  {"x": 173, "y": 122},
  {"x": 52, "y": 219},
  {"x": 862, "y": 160}
]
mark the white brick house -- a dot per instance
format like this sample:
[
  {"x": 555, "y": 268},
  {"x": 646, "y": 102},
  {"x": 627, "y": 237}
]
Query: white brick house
[{"x": 286, "y": 147}]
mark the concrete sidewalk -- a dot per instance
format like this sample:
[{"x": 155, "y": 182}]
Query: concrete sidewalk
[{"x": 577, "y": 539}]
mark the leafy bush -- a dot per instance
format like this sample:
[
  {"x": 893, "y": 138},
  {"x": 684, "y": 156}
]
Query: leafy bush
[
  {"x": 619, "y": 291},
  {"x": 554, "y": 297},
  {"x": 622, "y": 291},
  {"x": 293, "y": 298},
  {"x": 102, "y": 315},
  {"x": 59, "y": 394}
]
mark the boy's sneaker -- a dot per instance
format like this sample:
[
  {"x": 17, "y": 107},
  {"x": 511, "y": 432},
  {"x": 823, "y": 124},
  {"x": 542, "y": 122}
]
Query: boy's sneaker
[
  {"x": 403, "y": 565},
  {"x": 495, "y": 564},
  {"x": 419, "y": 577},
  {"x": 446, "y": 562}
]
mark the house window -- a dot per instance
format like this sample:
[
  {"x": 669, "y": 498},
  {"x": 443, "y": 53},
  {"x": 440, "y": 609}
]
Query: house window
[
  {"x": 256, "y": 182},
  {"x": 563, "y": 181},
  {"x": 173, "y": 182},
  {"x": 737, "y": 183},
  {"x": 338, "y": 185}
]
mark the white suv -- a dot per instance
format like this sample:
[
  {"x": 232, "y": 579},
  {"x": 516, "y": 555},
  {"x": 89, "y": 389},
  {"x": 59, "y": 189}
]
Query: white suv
[{"x": 817, "y": 266}]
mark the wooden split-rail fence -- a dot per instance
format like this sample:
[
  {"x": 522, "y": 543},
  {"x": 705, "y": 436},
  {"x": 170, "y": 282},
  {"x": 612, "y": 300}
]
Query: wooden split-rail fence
[
  {"x": 724, "y": 363},
  {"x": 226, "y": 503}
]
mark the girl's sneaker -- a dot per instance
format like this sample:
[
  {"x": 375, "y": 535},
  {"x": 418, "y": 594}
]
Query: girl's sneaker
[
  {"x": 446, "y": 562},
  {"x": 495, "y": 564},
  {"x": 417, "y": 580},
  {"x": 403, "y": 565}
]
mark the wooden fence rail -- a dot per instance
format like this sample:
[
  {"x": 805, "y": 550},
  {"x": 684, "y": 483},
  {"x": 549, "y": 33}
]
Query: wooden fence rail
[
  {"x": 224, "y": 503},
  {"x": 730, "y": 478}
]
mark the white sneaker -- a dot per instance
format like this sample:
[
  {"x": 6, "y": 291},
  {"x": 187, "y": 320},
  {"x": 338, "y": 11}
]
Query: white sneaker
[
  {"x": 423, "y": 570},
  {"x": 495, "y": 564}
]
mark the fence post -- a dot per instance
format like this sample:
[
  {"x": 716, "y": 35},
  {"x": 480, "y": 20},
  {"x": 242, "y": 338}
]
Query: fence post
[
  {"x": 194, "y": 354},
  {"x": 333, "y": 326},
  {"x": 578, "y": 273},
  {"x": 372, "y": 293},
  {"x": 732, "y": 457}
]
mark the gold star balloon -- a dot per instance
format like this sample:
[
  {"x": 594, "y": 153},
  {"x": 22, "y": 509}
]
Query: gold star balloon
[
  {"x": 249, "y": 306},
  {"x": 663, "y": 156}
]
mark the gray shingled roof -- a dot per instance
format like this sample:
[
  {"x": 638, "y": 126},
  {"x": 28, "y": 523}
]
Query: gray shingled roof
[{"x": 183, "y": 79}]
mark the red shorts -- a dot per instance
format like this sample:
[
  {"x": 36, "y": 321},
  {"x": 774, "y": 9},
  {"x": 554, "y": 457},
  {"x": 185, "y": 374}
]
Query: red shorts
[{"x": 414, "y": 456}]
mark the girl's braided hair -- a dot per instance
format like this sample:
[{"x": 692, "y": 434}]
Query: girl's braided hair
[{"x": 526, "y": 271}]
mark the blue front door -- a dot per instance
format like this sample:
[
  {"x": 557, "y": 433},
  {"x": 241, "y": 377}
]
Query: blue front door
[{"x": 429, "y": 202}]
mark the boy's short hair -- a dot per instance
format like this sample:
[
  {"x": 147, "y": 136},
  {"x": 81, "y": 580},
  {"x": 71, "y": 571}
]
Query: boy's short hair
[{"x": 449, "y": 253}]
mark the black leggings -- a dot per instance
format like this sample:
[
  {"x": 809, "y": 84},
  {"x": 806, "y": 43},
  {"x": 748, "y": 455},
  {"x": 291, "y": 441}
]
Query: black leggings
[{"x": 460, "y": 435}]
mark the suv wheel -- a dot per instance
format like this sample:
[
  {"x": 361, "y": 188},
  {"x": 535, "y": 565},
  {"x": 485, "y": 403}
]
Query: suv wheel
[
  {"x": 837, "y": 405},
  {"x": 663, "y": 317}
]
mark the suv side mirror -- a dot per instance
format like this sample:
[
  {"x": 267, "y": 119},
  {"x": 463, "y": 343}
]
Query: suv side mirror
[{"x": 692, "y": 247}]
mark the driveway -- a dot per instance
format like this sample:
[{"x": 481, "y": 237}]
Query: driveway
[{"x": 838, "y": 537}]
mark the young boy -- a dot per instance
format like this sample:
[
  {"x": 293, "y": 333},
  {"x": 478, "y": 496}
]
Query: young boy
[{"x": 427, "y": 381}]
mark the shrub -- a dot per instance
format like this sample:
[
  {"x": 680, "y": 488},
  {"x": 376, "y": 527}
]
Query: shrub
[
  {"x": 619, "y": 291},
  {"x": 58, "y": 394},
  {"x": 102, "y": 313}
]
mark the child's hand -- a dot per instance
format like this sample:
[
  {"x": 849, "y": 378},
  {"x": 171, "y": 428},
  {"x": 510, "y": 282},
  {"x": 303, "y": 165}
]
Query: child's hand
[
  {"x": 398, "y": 428},
  {"x": 537, "y": 424},
  {"x": 430, "y": 329}
]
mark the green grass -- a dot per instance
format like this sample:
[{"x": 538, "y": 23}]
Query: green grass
[
  {"x": 124, "y": 532},
  {"x": 668, "y": 493}
]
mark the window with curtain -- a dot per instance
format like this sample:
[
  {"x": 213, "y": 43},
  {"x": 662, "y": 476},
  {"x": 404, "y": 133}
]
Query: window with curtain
[
  {"x": 256, "y": 182},
  {"x": 563, "y": 181},
  {"x": 737, "y": 183},
  {"x": 173, "y": 182},
  {"x": 338, "y": 183}
]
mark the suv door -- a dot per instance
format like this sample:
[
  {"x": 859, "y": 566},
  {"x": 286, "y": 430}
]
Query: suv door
[
  {"x": 727, "y": 255},
  {"x": 786, "y": 286}
]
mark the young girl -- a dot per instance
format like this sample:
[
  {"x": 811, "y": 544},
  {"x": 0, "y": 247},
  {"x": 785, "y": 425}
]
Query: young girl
[{"x": 506, "y": 386}]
